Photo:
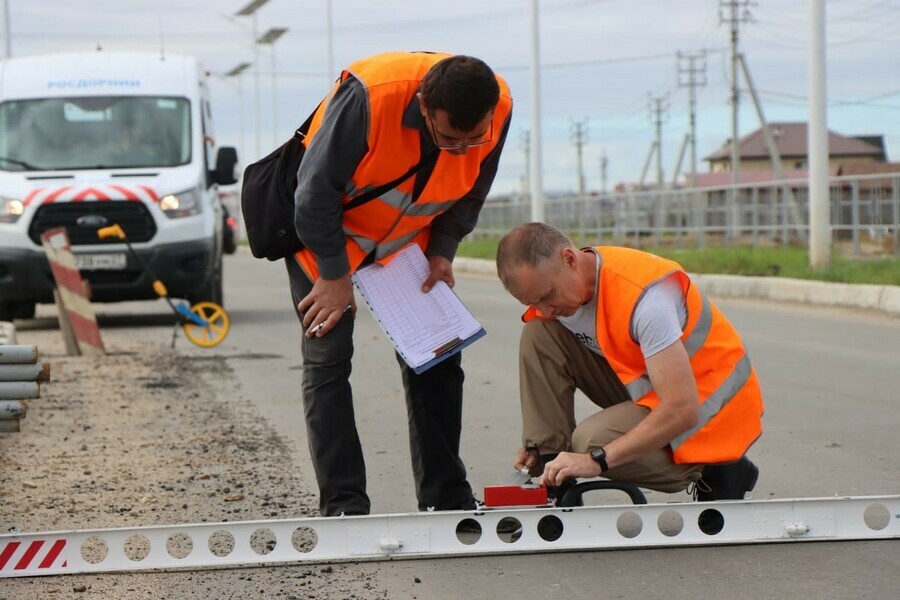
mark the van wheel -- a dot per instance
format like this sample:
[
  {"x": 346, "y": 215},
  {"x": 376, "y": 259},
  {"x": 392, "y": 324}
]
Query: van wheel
[
  {"x": 213, "y": 291},
  {"x": 23, "y": 310},
  {"x": 11, "y": 309}
]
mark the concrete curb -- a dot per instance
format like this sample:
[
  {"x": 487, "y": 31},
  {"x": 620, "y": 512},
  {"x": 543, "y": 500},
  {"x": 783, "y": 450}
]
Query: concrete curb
[
  {"x": 884, "y": 298},
  {"x": 7, "y": 333}
]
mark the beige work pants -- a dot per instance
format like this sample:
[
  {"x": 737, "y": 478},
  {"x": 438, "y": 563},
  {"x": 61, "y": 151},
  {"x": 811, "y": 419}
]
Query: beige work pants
[{"x": 552, "y": 365}]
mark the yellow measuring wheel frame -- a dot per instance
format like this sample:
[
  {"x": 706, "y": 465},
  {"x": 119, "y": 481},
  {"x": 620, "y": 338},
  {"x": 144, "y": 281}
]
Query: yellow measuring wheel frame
[{"x": 217, "y": 328}]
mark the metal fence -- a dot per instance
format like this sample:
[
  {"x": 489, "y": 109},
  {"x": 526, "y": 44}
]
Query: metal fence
[{"x": 865, "y": 215}]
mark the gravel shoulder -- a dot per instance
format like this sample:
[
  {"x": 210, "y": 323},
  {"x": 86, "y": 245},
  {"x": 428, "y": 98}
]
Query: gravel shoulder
[{"x": 148, "y": 436}]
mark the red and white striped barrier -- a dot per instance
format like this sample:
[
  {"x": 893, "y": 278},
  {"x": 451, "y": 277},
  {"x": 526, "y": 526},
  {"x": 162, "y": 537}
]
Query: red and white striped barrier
[
  {"x": 73, "y": 294},
  {"x": 35, "y": 557}
]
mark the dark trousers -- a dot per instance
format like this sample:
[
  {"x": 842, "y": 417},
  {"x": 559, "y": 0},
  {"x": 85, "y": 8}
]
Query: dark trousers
[{"x": 434, "y": 411}]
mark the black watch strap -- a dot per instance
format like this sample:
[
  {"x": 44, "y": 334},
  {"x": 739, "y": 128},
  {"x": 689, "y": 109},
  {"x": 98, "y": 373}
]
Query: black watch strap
[{"x": 599, "y": 456}]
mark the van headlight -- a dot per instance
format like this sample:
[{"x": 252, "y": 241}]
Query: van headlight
[
  {"x": 182, "y": 204},
  {"x": 10, "y": 210}
]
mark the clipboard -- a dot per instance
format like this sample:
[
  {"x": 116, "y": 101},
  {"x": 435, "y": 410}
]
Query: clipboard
[
  {"x": 425, "y": 328},
  {"x": 454, "y": 347}
]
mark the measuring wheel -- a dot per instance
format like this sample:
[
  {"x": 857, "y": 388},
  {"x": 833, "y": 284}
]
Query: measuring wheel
[{"x": 216, "y": 325}]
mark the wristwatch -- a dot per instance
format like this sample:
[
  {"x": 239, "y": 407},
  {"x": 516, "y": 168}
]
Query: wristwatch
[{"x": 599, "y": 455}]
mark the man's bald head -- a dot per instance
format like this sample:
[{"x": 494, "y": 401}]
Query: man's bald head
[{"x": 533, "y": 245}]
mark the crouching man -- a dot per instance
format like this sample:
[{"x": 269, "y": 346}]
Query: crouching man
[{"x": 680, "y": 401}]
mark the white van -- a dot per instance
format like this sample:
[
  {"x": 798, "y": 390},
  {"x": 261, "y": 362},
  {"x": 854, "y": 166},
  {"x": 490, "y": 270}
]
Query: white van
[{"x": 92, "y": 139}]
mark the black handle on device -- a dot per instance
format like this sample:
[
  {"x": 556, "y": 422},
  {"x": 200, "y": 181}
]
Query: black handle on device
[{"x": 574, "y": 496}]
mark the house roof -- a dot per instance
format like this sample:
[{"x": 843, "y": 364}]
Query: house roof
[{"x": 791, "y": 142}]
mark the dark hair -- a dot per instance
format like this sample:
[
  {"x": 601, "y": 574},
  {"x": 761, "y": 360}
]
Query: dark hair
[{"x": 463, "y": 86}]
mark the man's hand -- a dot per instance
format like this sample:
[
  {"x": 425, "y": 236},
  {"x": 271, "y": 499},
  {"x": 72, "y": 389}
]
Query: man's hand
[
  {"x": 528, "y": 457},
  {"x": 325, "y": 305},
  {"x": 441, "y": 270},
  {"x": 569, "y": 465}
]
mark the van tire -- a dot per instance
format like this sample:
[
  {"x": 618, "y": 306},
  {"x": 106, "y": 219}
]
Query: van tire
[
  {"x": 11, "y": 309},
  {"x": 212, "y": 291}
]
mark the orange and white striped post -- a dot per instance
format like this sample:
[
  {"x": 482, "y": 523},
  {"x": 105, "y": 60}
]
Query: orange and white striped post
[{"x": 73, "y": 296}]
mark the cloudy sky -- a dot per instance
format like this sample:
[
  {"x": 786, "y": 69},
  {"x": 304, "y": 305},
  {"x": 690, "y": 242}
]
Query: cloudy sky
[{"x": 602, "y": 62}]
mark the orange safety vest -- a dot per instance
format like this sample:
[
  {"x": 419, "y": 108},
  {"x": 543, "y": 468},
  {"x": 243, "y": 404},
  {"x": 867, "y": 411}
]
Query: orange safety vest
[
  {"x": 387, "y": 224},
  {"x": 731, "y": 404}
]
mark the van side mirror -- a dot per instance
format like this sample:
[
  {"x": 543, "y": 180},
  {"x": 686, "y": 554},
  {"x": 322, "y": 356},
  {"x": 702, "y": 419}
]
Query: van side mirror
[{"x": 226, "y": 161}]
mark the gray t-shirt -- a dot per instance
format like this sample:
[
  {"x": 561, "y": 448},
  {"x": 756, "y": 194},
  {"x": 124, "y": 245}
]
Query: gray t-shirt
[{"x": 658, "y": 322}]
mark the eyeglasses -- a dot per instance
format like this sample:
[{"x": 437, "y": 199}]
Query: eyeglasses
[{"x": 478, "y": 141}]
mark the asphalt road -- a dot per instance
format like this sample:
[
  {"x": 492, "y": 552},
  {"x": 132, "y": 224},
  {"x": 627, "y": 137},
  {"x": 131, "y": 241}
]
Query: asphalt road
[
  {"x": 830, "y": 378},
  {"x": 832, "y": 414}
]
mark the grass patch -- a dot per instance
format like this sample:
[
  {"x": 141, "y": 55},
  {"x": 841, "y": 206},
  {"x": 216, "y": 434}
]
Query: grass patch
[{"x": 780, "y": 262}]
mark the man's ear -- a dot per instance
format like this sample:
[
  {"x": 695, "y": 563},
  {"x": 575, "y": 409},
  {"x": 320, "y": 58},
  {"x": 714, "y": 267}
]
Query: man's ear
[
  {"x": 569, "y": 256},
  {"x": 423, "y": 108}
]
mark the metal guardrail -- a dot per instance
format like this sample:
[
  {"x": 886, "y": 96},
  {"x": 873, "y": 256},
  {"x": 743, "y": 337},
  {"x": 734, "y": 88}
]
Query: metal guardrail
[{"x": 864, "y": 208}]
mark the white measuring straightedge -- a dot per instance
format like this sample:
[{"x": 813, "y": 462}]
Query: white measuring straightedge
[{"x": 445, "y": 534}]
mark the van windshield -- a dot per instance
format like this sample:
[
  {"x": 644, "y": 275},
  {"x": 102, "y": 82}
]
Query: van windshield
[{"x": 103, "y": 132}]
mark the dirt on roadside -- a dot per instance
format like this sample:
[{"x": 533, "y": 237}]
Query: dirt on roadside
[{"x": 145, "y": 436}]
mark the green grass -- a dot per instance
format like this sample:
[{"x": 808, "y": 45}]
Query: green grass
[{"x": 781, "y": 262}]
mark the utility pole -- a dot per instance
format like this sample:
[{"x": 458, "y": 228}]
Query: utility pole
[
  {"x": 692, "y": 67},
  {"x": 737, "y": 12},
  {"x": 579, "y": 139},
  {"x": 604, "y": 164},
  {"x": 658, "y": 107}
]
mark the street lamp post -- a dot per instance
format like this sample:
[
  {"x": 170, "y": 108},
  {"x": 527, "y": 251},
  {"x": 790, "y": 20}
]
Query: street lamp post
[
  {"x": 329, "y": 42},
  {"x": 537, "y": 186},
  {"x": 270, "y": 37},
  {"x": 248, "y": 11},
  {"x": 7, "y": 36},
  {"x": 238, "y": 72}
]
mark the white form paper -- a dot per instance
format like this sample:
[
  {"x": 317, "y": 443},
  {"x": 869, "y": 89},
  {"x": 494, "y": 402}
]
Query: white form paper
[{"x": 417, "y": 323}]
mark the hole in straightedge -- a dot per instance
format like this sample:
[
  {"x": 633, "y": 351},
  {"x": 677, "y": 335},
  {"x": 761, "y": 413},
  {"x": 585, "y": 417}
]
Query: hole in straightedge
[
  {"x": 550, "y": 528},
  {"x": 711, "y": 521},
  {"x": 94, "y": 550},
  {"x": 179, "y": 545},
  {"x": 876, "y": 517},
  {"x": 629, "y": 524},
  {"x": 670, "y": 523},
  {"x": 509, "y": 530},
  {"x": 304, "y": 539},
  {"x": 137, "y": 547},
  {"x": 468, "y": 531},
  {"x": 221, "y": 543},
  {"x": 263, "y": 541}
]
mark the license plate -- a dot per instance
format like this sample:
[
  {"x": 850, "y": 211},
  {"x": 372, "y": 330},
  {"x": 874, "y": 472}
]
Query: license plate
[{"x": 101, "y": 262}]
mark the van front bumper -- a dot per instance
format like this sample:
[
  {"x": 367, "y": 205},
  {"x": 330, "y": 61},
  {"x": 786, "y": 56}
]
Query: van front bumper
[{"x": 185, "y": 269}]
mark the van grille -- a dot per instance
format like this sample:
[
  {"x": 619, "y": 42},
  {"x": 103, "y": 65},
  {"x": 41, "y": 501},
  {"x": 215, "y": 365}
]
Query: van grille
[{"x": 135, "y": 219}]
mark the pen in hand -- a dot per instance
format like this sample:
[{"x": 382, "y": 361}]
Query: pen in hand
[{"x": 315, "y": 329}]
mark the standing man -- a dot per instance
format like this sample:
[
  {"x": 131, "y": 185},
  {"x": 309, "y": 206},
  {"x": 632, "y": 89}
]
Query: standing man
[
  {"x": 387, "y": 114},
  {"x": 681, "y": 402}
]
